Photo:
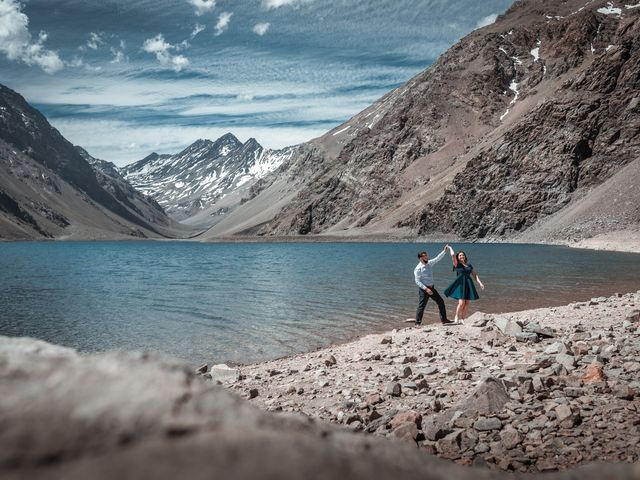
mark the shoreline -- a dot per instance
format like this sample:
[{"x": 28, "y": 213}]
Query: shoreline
[
  {"x": 411, "y": 384},
  {"x": 603, "y": 242}
]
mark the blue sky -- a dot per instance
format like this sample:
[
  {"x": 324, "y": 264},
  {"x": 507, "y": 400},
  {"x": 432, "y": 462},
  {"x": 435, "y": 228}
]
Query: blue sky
[{"x": 124, "y": 78}]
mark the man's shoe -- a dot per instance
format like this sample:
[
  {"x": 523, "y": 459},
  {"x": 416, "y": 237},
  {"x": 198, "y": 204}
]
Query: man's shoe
[
  {"x": 448, "y": 322},
  {"x": 418, "y": 324}
]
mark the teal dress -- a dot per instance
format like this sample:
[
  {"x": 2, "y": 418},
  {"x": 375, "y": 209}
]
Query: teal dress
[{"x": 462, "y": 287}]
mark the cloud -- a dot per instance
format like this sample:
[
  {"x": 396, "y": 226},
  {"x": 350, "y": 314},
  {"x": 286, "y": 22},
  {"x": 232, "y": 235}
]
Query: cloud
[
  {"x": 161, "y": 49},
  {"x": 488, "y": 20},
  {"x": 95, "y": 40},
  {"x": 196, "y": 30},
  {"x": 118, "y": 56},
  {"x": 126, "y": 142},
  {"x": 223, "y": 22},
  {"x": 269, "y": 4},
  {"x": 17, "y": 44},
  {"x": 202, "y": 6},
  {"x": 261, "y": 28}
]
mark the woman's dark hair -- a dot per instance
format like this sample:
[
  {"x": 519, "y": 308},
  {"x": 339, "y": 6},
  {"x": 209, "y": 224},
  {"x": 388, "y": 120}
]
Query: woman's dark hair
[{"x": 457, "y": 261}]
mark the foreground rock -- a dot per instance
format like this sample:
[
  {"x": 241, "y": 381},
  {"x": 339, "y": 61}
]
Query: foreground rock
[{"x": 532, "y": 391}]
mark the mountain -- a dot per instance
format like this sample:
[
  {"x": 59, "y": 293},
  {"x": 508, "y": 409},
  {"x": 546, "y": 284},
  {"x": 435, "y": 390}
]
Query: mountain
[
  {"x": 48, "y": 190},
  {"x": 111, "y": 179},
  {"x": 517, "y": 123},
  {"x": 207, "y": 179}
]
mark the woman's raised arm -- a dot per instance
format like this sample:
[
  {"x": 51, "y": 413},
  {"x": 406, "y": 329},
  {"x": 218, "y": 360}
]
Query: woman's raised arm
[{"x": 453, "y": 256}]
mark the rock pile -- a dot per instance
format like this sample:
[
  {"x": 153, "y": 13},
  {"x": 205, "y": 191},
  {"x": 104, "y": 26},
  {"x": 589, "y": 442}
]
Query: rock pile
[{"x": 530, "y": 391}]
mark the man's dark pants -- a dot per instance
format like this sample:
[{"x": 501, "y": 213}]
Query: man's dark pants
[{"x": 424, "y": 298}]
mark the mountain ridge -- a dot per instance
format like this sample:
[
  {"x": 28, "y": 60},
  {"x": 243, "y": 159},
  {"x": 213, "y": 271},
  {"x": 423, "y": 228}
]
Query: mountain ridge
[{"x": 205, "y": 180}]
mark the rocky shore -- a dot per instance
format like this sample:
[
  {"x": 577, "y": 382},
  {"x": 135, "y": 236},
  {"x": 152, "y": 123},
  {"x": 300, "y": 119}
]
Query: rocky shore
[{"x": 545, "y": 389}]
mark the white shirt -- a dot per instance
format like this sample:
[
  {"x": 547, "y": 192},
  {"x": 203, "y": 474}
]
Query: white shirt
[{"x": 423, "y": 273}]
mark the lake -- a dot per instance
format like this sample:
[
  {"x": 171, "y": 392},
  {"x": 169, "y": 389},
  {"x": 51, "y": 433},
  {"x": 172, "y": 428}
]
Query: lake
[{"x": 245, "y": 302}]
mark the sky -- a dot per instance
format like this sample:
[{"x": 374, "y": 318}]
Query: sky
[{"x": 124, "y": 78}]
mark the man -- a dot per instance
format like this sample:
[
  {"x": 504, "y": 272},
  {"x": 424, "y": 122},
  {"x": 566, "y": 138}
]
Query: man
[{"x": 423, "y": 274}]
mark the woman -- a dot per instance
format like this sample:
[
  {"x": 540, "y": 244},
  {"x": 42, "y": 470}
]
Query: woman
[{"x": 463, "y": 288}]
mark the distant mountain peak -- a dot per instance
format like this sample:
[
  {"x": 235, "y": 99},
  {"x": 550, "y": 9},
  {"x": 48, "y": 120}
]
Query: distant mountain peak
[{"x": 203, "y": 173}]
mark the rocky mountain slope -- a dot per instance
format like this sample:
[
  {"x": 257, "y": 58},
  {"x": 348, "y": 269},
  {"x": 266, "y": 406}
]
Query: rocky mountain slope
[
  {"x": 48, "y": 190},
  {"x": 207, "y": 179},
  {"x": 518, "y": 121}
]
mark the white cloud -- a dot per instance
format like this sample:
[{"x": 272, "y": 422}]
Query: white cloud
[
  {"x": 95, "y": 40},
  {"x": 125, "y": 142},
  {"x": 76, "y": 62},
  {"x": 270, "y": 4},
  {"x": 202, "y": 6},
  {"x": 261, "y": 28},
  {"x": 118, "y": 56},
  {"x": 196, "y": 30},
  {"x": 488, "y": 20},
  {"x": 223, "y": 22},
  {"x": 17, "y": 44},
  {"x": 161, "y": 49}
]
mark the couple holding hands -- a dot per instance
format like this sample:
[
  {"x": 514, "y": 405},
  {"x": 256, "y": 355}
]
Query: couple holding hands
[{"x": 463, "y": 289}]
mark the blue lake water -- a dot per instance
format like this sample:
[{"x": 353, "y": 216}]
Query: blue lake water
[{"x": 244, "y": 302}]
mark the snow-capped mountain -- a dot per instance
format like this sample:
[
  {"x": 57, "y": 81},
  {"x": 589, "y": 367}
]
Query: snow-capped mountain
[{"x": 203, "y": 174}]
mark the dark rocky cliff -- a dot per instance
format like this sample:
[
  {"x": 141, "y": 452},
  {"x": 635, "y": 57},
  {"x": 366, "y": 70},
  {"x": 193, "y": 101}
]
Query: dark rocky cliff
[{"x": 510, "y": 125}]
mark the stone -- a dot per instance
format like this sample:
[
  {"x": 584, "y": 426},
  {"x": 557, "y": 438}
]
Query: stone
[
  {"x": 373, "y": 399},
  {"x": 633, "y": 316},
  {"x": 405, "y": 417},
  {"x": 449, "y": 446},
  {"x": 330, "y": 361},
  {"x": 594, "y": 373},
  {"x": 567, "y": 361},
  {"x": 394, "y": 389},
  {"x": 374, "y": 415},
  {"x": 506, "y": 326},
  {"x": 563, "y": 412},
  {"x": 406, "y": 432},
  {"x": 224, "y": 373},
  {"x": 468, "y": 440},
  {"x": 354, "y": 417},
  {"x": 526, "y": 337},
  {"x": 510, "y": 437},
  {"x": 386, "y": 340},
  {"x": 202, "y": 369},
  {"x": 253, "y": 393},
  {"x": 409, "y": 386},
  {"x": 624, "y": 392},
  {"x": 489, "y": 396},
  {"x": 410, "y": 359},
  {"x": 422, "y": 384},
  {"x": 407, "y": 372},
  {"x": 539, "y": 330},
  {"x": 433, "y": 429},
  {"x": 557, "y": 347},
  {"x": 479, "y": 319},
  {"x": 484, "y": 424}
]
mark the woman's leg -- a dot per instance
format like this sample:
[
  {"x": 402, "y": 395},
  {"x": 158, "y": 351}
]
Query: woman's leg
[
  {"x": 459, "y": 310},
  {"x": 465, "y": 313}
]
